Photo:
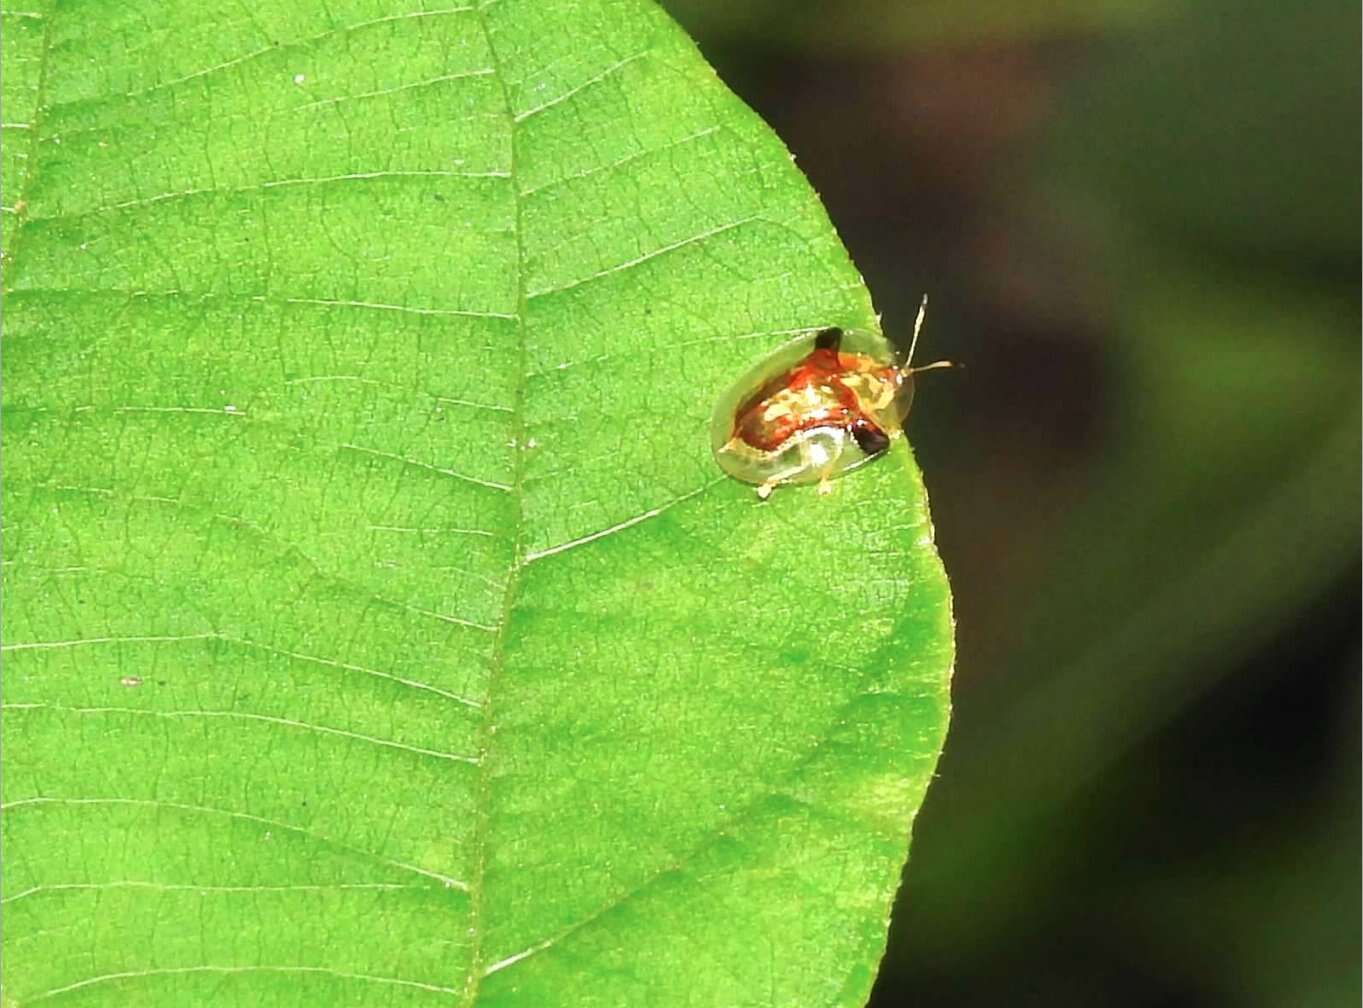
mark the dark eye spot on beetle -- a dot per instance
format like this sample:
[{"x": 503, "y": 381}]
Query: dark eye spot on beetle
[
  {"x": 870, "y": 438},
  {"x": 828, "y": 339}
]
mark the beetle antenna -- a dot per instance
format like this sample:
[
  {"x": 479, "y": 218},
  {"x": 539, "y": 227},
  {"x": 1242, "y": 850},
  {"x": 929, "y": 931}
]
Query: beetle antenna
[
  {"x": 908, "y": 367},
  {"x": 917, "y": 328}
]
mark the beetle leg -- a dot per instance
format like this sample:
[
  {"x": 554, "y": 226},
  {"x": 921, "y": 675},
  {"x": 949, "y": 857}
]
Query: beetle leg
[
  {"x": 826, "y": 477},
  {"x": 807, "y": 463},
  {"x": 825, "y": 474},
  {"x": 764, "y": 490}
]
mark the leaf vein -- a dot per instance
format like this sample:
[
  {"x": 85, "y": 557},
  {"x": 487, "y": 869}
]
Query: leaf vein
[
  {"x": 39, "y": 801},
  {"x": 410, "y": 86},
  {"x": 134, "y": 884},
  {"x": 269, "y": 184},
  {"x": 614, "y": 68},
  {"x": 639, "y": 260},
  {"x": 181, "y": 970},
  {"x": 392, "y": 456},
  {"x": 246, "y": 716},
  {"x": 361, "y": 380},
  {"x": 653, "y": 512},
  {"x": 299, "y": 44},
  {"x": 482, "y": 793},
  {"x": 620, "y": 163},
  {"x": 244, "y": 642}
]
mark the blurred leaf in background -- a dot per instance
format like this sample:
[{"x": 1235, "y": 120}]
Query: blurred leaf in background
[
  {"x": 1140, "y": 231},
  {"x": 878, "y": 26}
]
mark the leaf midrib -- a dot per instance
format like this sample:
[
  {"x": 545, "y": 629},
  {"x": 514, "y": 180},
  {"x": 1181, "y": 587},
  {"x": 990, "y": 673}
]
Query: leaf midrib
[{"x": 482, "y": 796}]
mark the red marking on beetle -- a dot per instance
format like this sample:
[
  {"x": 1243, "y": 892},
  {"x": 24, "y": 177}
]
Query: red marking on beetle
[{"x": 834, "y": 403}]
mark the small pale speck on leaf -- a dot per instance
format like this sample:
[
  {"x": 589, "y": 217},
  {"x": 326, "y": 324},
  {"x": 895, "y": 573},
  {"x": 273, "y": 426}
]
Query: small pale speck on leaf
[{"x": 130, "y": 680}]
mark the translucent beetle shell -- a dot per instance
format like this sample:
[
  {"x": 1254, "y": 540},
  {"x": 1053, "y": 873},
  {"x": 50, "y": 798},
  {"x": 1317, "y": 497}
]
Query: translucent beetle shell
[{"x": 812, "y": 410}]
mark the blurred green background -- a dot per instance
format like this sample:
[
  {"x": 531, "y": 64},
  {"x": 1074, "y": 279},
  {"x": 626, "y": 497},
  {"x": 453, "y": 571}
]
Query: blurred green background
[{"x": 1139, "y": 224}]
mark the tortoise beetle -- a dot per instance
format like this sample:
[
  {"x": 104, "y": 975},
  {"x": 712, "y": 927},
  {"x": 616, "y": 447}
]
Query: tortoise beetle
[{"x": 811, "y": 411}]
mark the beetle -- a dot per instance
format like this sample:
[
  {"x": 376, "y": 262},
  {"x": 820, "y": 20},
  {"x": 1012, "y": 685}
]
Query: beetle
[{"x": 809, "y": 412}]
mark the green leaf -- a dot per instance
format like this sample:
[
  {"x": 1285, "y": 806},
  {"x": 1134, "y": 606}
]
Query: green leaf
[{"x": 379, "y": 627}]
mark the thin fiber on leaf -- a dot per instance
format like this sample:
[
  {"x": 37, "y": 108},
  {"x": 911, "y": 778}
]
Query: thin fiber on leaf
[{"x": 379, "y": 629}]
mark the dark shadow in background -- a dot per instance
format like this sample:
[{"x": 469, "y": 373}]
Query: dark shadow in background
[{"x": 1139, "y": 224}]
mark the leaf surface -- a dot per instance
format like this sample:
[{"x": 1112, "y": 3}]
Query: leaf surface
[{"x": 379, "y": 628}]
